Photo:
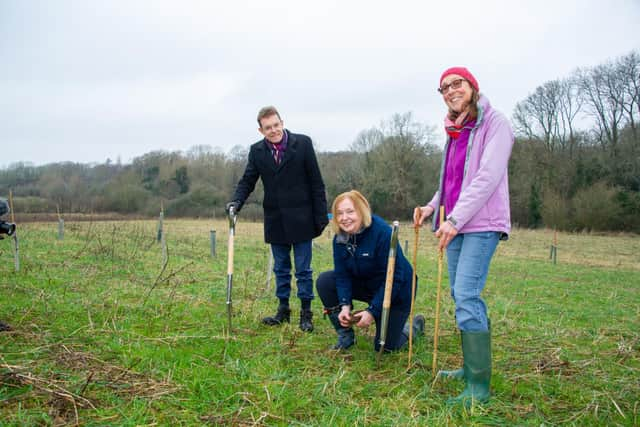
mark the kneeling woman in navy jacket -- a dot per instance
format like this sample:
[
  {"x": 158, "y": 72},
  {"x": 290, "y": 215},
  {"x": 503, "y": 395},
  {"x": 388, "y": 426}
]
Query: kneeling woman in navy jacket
[{"x": 360, "y": 257}]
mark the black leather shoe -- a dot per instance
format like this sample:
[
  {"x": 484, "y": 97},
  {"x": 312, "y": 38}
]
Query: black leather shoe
[
  {"x": 306, "y": 322},
  {"x": 283, "y": 315}
]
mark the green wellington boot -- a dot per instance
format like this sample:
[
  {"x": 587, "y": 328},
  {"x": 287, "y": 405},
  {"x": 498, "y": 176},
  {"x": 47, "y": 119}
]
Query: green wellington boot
[
  {"x": 476, "y": 351},
  {"x": 456, "y": 374}
]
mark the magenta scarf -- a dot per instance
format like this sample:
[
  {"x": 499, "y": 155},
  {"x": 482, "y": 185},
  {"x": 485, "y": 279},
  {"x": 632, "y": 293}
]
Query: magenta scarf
[
  {"x": 452, "y": 128},
  {"x": 278, "y": 149}
]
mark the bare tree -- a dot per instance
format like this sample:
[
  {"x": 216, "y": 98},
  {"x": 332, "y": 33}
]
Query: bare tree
[
  {"x": 569, "y": 105},
  {"x": 522, "y": 123},
  {"x": 367, "y": 140},
  {"x": 602, "y": 89},
  {"x": 537, "y": 116},
  {"x": 393, "y": 164},
  {"x": 628, "y": 68}
]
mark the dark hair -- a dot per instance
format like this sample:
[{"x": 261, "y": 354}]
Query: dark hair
[
  {"x": 267, "y": 111},
  {"x": 473, "y": 106}
]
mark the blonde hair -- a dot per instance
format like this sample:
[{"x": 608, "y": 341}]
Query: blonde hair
[{"x": 360, "y": 203}]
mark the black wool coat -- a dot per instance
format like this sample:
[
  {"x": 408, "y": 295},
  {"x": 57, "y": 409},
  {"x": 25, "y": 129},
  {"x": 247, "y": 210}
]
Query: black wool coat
[{"x": 295, "y": 204}]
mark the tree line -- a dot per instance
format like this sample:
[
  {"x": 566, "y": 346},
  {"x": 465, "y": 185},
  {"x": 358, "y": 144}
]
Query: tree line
[{"x": 575, "y": 164}]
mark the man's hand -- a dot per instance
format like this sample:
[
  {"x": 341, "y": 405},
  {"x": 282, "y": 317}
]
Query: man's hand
[
  {"x": 233, "y": 205},
  {"x": 320, "y": 225}
]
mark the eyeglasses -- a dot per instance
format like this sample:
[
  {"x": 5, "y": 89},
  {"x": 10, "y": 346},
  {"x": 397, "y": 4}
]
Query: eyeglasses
[
  {"x": 274, "y": 126},
  {"x": 453, "y": 85}
]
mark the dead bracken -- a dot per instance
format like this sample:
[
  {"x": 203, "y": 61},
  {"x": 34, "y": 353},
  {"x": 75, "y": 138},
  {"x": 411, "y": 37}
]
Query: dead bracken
[{"x": 65, "y": 394}]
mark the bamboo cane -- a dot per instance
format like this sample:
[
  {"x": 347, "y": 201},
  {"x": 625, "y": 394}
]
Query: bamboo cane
[
  {"x": 388, "y": 287},
  {"x": 232, "y": 227},
  {"x": 416, "y": 230},
  {"x": 436, "y": 329}
]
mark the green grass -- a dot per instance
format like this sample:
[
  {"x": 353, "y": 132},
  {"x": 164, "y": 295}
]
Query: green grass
[{"x": 103, "y": 335}]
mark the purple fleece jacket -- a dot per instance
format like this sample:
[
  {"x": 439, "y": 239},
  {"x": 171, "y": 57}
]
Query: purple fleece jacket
[{"x": 483, "y": 204}]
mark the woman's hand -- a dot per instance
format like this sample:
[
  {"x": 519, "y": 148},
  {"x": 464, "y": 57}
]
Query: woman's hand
[
  {"x": 366, "y": 319},
  {"x": 421, "y": 213},
  {"x": 445, "y": 233},
  {"x": 345, "y": 316}
]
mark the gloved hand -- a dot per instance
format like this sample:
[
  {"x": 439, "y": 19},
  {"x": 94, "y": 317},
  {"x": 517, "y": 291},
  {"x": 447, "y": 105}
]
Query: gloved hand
[
  {"x": 319, "y": 225},
  {"x": 235, "y": 205}
]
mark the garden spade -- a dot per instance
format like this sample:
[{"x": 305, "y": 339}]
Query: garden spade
[
  {"x": 388, "y": 287},
  {"x": 232, "y": 228}
]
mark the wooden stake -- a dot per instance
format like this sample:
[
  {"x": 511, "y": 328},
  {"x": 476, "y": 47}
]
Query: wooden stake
[
  {"x": 416, "y": 230},
  {"x": 436, "y": 329}
]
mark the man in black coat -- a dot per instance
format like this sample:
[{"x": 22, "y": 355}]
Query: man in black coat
[{"x": 295, "y": 208}]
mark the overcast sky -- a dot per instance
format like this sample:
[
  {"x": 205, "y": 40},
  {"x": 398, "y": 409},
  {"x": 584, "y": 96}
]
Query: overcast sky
[{"x": 85, "y": 80}]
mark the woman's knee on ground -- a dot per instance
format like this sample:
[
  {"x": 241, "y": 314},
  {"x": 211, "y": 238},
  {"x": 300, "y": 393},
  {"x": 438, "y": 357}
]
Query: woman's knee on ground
[{"x": 326, "y": 287}]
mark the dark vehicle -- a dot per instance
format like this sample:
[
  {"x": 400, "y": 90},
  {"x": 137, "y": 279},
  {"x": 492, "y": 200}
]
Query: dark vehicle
[{"x": 7, "y": 228}]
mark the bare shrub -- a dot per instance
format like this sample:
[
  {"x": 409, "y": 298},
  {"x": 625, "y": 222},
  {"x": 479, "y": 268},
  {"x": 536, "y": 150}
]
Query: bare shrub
[
  {"x": 595, "y": 208},
  {"x": 555, "y": 211}
]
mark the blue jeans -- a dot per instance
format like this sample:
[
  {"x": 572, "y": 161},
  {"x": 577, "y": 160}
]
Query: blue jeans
[
  {"x": 282, "y": 269},
  {"x": 469, "y": 256}
]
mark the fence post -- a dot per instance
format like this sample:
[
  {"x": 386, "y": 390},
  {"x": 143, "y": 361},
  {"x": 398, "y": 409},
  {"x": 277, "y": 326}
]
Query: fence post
[
  {"x": 160, "y": 222},
  {"x": 553, "y": 255},
  {"x": 60, "y": 223},
  {"x": 212, "y": 238},
  {"x": 60, "y": 229}
]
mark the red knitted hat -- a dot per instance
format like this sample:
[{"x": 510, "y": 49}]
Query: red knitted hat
[{"x": 462, "y": 72}]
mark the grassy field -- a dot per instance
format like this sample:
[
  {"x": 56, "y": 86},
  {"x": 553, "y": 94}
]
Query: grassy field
[{"x": 104, "y": 333}]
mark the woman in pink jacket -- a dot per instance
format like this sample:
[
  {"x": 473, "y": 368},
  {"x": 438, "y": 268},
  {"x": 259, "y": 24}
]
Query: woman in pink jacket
[{"x": 474, "y": 191}]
